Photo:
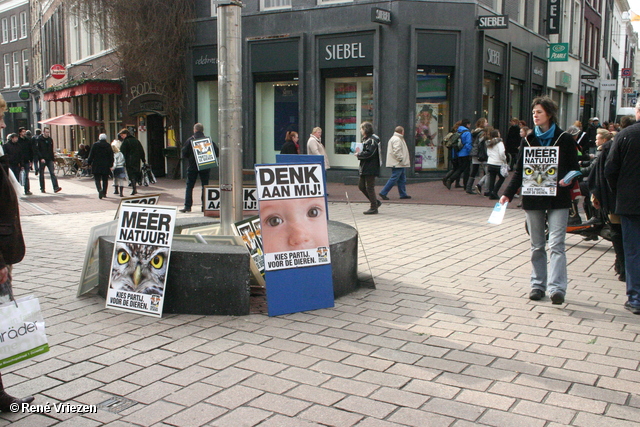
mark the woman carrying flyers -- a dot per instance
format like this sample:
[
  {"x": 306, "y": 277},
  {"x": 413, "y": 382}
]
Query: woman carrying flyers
[
  {"x": 544, "y": 158},
  {"x": 369, "y": 166}
]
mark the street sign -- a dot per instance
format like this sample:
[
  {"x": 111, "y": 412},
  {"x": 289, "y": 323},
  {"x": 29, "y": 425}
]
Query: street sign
[
  {"x": 558, "y": 52},
  {"x": 589, "y": 76},
  {"x": 626, "y": 72},
  {"x": 493, "y": 22}
]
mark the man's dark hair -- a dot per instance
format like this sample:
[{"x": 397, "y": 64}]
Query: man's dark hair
[
  {"x": 21, "y": 129},
  {"x": 198, "y": 127},
  {"x": 465, "y": 123},
  {"x": 38, "y": 131},
  {"x": 626, "y": 121},
  {"x": 549, "y": 106}
]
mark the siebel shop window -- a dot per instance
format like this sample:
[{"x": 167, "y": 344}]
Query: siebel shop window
[{"x": 275, "y": 4}]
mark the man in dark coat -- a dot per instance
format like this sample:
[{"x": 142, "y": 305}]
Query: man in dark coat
[
  {"x": 101, "y": 160},
  {"x": 369, "y": 166},
  {"x": 622, "y": 171},
  {"x": 28, "y": 153},
  {"x": 44, "y": 145},
  {"x": 589, "y": 140},
  {"x": 133, "y": 153},
  {"x": 192, "y": 170},
  {"x": 13, "y": 154}
]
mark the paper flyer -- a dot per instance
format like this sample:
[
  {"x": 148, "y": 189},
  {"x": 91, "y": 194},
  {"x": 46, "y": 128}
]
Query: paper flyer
[{"x": 497, "y": 215}]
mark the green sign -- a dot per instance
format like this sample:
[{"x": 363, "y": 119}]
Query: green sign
[
  {"x": 558, "y": 52},
  {"x": 24, "y": 94},
  {"x": 16, "y": 109}
]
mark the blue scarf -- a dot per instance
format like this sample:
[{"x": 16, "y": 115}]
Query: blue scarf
[{"x": 545, "y": 138}]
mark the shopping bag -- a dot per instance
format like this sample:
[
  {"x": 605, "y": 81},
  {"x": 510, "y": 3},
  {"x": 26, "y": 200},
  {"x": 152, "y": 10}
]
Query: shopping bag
[
  {"x": 22, "y": 334},
  {"x": 22, "y": 177}
]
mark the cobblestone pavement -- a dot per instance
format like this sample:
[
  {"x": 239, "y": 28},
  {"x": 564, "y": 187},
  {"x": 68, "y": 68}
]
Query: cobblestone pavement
[{"x": 447, "y": 338}]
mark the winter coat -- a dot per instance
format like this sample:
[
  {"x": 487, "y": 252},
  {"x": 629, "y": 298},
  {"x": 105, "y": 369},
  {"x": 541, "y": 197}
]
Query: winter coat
[
  {"x": 11, "y": 241},
  {"x": 13, "y": 154},
  {"x": 45, "y": 148},
  {"x": 513, "y": 139},
  {"x": 622, "y": 170},
  {"x": 187, "y": 151},
  {"x": 476, "y": 135},
  {"x": 467, "y": 140},
  {"x": 289, "y": 147},
  {"x": 101, "y": 158},
  {"x": 568, "y": 161},
  {"x": 370, "y": 157},
  {"x": 314, "y": 146},
  {"x": 597, "y": 182},
  {"x": 397, "y": 152},
  {"x": 133, "y": 153},
  {"x": 496, "y": 152},
  {"x": 27, "y": 150}
]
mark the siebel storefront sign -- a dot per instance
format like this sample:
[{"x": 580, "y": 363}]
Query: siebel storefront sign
[
  {"x": 554, "y": 13},
  {"x": 381, "y": 16},
  {"x": 346, "y": 51},
  {"x": 493, "y": 22}
]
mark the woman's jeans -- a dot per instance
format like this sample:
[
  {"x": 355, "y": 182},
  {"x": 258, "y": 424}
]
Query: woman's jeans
[
  {"x": 553, "y": 279},
  {"x": 494, "y": 171}
]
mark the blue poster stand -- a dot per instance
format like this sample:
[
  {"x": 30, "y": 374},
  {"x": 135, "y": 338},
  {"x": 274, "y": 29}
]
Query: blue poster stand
[{"x": 300, "y": 289}]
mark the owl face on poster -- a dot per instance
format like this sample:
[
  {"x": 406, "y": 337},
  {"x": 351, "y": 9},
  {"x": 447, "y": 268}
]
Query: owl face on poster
[
  {"x": 139, "y": 268},
  {"x": 540, "y": 175}
]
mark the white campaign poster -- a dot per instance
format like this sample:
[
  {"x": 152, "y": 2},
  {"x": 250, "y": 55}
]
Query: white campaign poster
[
  {"x": 540, "y": 171},
  {"x": 212, "y": 198},
  {"x": 293, "y": 215},
  {"x": 141, "y": 259}
]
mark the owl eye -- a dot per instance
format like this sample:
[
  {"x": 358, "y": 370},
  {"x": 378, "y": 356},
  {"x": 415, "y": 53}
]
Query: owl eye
[
  {"x": 123, "y": 257},
  {"x": 528, "y": 171},
  {"x": 157, "y": 261},
  {"x": 551, "y": 171}
]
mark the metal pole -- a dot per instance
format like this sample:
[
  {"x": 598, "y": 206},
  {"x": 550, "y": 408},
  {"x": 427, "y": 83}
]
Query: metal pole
[{"x": 230, "y": 113}]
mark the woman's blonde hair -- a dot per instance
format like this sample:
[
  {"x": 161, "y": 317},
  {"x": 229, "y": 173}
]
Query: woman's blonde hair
[
  {"x": 605, "y": 134},
  {"x": 3, "y": 104},
  {"x": 316, "y": 129}
]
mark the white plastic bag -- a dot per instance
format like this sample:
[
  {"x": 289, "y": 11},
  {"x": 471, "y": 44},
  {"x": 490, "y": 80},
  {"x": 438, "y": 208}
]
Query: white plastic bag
[{"x": 22, "y": 334}]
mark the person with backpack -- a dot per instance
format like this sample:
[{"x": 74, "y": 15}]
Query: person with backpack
[
  {"x": 462, "y": 152},
  {"x": 478, "y": 152}
]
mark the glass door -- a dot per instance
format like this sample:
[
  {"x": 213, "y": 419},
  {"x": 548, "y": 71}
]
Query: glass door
[{"x": 349, "y": 102}]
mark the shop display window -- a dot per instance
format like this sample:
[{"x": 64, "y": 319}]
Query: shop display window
[
  {"x": 207, "y": 113},
  {"x": 276, "y": 113},
  {"x": 432, "y": 120},
  {"x": 349, "y": 103}
]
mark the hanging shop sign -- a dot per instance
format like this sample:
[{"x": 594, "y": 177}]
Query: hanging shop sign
[
  {"x": 381, "y": 16},
  {"x": 554, "y": 13},
  {"x": 493, "y": 22},
  {"x": 626, "y": 72},
  {"x": 589, "y": 76},
  {"x": 559, "y": 52},
  {"x": 24, "y": 94},
  {"x": 609, "y": 85},
  {"x": 58, "y": 71}
]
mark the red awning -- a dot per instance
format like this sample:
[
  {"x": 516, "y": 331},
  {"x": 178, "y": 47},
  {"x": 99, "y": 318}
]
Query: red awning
[{"x": 94, "y": 88}]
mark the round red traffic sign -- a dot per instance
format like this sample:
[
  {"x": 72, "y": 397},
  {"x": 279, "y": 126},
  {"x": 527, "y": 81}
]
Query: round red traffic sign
[{"x": 58, "y": 71}]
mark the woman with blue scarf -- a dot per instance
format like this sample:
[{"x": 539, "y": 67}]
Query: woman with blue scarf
[{"x": 545, "y": 157}]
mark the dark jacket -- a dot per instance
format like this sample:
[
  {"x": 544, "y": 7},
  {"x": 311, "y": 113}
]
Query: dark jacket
[
  {"x": 101, "y": 158},
  {"x": 370, "y": 156},
  {"x": 133, "y": 154},
  {"x": 45, "y": 148},
  {"x": 622, "y": 170},
  {"x": 568, "y": 161},
  {"x": 13, "y": 154},
  {"x": 27, "y": 149},
  {"x": 187, "y": 150},
  {"x": 11, "y": 241},
  {"x": 597, "y": 182},
  {"x": 513, "y": 139},
  {"x": 289, "y": 147}
]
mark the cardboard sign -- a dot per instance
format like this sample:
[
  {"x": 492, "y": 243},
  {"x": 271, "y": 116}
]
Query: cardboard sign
[
  {"x": 204, "y": 153},
  {"x": 89, "y": 275},
  {"x": 149, "y": 199},
  {"x": 212, "y": 200},
  {"x": 140, "y": 259},
  {"x": 540, "y": 171},
  {"x": 249, "y": 230}
]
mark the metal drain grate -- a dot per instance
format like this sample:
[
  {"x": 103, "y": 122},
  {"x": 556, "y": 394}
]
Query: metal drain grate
[{"x": 116, "y": 404}]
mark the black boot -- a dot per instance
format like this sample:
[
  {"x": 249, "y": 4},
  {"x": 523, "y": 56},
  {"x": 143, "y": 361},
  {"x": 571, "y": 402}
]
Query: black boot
[{"x": 7, "y": 401}]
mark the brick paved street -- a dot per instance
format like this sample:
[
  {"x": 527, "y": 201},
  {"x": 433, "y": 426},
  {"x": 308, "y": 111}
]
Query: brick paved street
[{"x": 447, "y": 338}]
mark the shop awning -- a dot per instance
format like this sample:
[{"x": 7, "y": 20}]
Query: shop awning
[{"x": 94, "y": 88}]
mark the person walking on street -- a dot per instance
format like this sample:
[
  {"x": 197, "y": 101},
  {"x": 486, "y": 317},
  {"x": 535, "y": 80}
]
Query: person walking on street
[
  {"x": 314, "y": 146},
  {"x": 133, "y": 154},
  {"x": 397, "y": 159},
  {"x": 101, "y": 160},
  {"x": 192, "y": 170},
  {"x": 12, "y": 251},
  {"x": 463, "y": 156},
  {"x": 622, "y": 171},
  {"x": 28, "y": 153},
  {"x": 45, "y": 154},
  {"x": 478, "y": 154},
  {"x": 497, "y": 158},
  {"x": 369, "y": 166},
  {"x": 544, "y": 174},
  {"x": 118, "y": 170},
  {"x": 13, "y": 154},
  {"x": 291, "y": 145}
]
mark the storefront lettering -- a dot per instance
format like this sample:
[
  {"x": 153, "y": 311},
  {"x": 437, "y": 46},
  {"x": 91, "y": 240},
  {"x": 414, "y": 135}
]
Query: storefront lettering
[
  {"x": 538, "y": 71},
  {"x": 553, "y": 17},
  {"x": 146, "y": 88},
  {"x": 344, "y": 51},
  {"x": 205, "y": 60},
  {"x": 493, "y": 57}
]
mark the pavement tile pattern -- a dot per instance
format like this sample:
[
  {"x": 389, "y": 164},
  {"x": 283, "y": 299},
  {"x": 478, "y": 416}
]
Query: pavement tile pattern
[{"x": 448, "y": 336}]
